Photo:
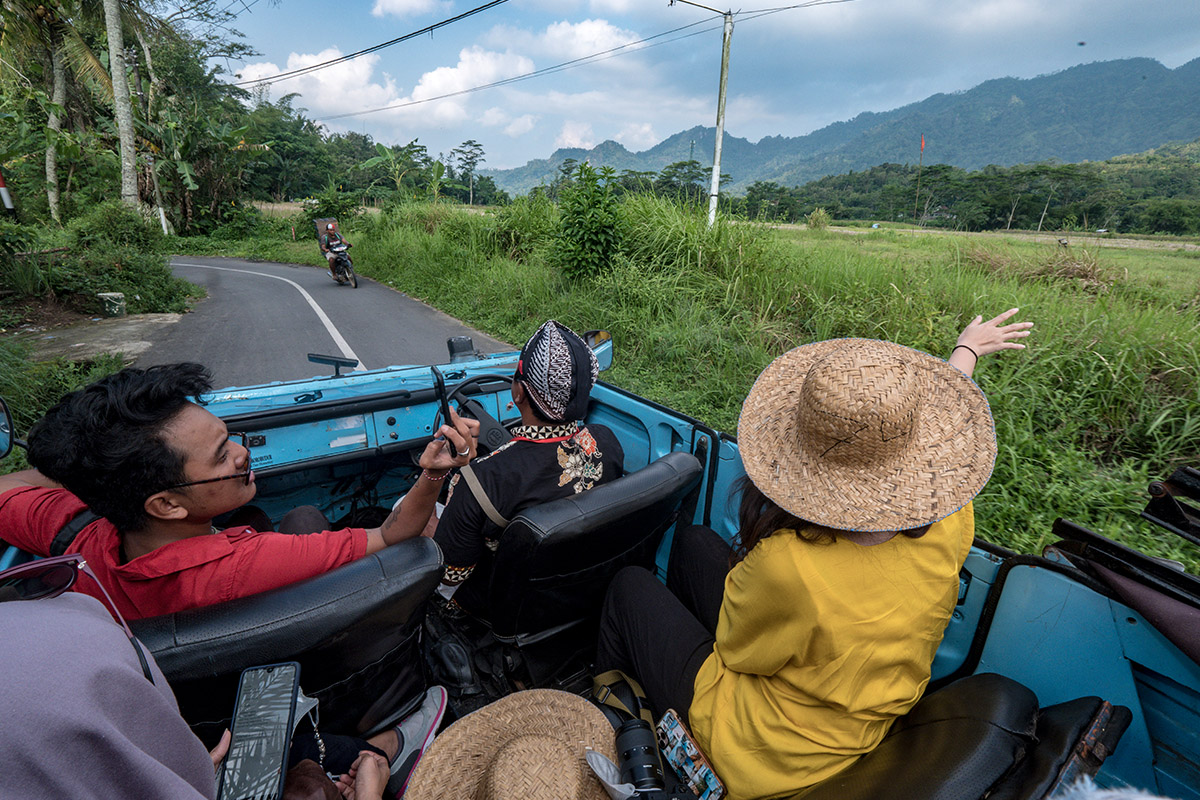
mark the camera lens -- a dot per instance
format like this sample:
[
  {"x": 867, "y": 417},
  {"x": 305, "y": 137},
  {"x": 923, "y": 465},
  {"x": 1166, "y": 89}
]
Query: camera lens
[{"x": 638, "y": 751}]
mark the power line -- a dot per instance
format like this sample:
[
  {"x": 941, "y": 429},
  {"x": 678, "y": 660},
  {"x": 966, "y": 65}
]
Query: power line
[
  {"x": 314, "y": 67},
  {"x": 603, "y": 55},
  {"x": 247, "y": 7}
]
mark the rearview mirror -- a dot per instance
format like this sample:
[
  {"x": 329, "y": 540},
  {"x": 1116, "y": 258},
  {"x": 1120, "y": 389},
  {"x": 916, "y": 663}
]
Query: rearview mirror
[
  {"x": 601, "y": 343},
  {"x": 337, "y": 362},
  {"x": 6, "y": 429}
]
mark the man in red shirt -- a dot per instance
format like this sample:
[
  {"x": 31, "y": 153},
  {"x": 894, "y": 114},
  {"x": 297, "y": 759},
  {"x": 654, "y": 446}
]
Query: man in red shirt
[{"x": 157, "y": 467}]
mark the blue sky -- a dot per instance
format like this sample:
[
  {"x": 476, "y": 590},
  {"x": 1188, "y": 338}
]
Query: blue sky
[{"x": 791, "y": 72}]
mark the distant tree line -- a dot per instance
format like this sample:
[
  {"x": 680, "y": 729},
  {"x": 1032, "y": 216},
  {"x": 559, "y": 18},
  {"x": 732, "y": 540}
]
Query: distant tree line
[
  {"x": 683, "y": 181},
  {"x": 1156, "y": 192}
]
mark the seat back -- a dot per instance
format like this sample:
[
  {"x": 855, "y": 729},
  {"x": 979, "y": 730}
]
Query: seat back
[
  {"x": 355, "y": 632},
  {"x": 982, "y": 735},
  {"x": 973, "y": 730},
  {"x": 555, "y": 560}
]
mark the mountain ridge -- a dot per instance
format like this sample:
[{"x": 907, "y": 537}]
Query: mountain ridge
[{"x": 1088, "y": 112}]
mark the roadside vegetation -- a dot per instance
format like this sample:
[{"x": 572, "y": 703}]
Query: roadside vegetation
[{"x": 50, "y": 276}]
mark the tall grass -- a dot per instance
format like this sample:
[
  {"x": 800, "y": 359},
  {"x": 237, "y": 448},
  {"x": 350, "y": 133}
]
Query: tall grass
[
  {"x": 31, "y": 387},
  {"x": 1105, "y": 399}
]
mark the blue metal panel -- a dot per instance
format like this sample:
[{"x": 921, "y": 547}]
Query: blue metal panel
[
  {"x": 979, "y": 573},
  {"x": 1064, "y": 641}
]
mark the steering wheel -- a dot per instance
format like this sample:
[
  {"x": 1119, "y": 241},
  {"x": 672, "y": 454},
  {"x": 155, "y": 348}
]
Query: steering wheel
[{"x": 492, "y": 433}]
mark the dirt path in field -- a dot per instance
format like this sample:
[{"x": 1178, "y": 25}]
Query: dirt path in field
[{"x": 1048, "y": 238}]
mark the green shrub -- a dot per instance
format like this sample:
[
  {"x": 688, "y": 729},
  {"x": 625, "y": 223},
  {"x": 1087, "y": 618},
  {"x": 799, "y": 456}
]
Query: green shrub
[
  {"x": 144, "y": 278},
  {"x": 330, "y": 203},
  {"x": 525, "y": 225},
  {"x": 113, "y": 224},
  {"x": 19, "y": 274},
  {"x": 589, "y": 233},
  {"x": 819, "y": 219},
  {"x": 240, "y": 222},
  {"x": 31, "y": 387}
]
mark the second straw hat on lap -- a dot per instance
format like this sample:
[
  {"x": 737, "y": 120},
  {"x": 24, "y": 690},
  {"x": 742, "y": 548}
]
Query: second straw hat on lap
[
  {"x": 866, "y": 435},
  {"x": 527, "y": 746}
]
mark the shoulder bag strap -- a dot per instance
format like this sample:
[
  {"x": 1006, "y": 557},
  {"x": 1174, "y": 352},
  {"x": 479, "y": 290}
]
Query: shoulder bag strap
[
  {"x": 608, "y": 687},
  {"x": 481, "y": 496},
  {"x": 67, "y": 533}
]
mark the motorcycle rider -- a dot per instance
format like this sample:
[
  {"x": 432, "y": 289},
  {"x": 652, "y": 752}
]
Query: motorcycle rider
[{"x": 328, "y": 240}]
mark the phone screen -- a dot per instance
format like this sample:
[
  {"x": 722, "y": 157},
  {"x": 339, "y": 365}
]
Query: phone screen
[
  {"x": 683, "y": 754},
  {"x": 262, "y": 733}
]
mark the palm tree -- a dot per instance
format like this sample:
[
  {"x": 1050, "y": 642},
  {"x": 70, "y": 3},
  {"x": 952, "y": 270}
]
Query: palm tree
[
  {"x": 122, "y": 105},
  {"x": 46, "y": 34}
]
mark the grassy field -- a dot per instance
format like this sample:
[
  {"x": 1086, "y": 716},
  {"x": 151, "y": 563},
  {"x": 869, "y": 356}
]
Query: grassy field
[{"x": 1106, "y": 398}]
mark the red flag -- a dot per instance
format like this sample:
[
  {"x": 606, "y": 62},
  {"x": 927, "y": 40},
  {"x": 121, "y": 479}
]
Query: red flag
[{"x": 922, "y": 143}]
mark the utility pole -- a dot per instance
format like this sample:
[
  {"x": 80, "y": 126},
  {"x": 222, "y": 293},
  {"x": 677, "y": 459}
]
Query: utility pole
[{"x": 715, "y": 187}]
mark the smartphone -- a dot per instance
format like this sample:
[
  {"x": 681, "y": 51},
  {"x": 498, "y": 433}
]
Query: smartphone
[
  {"x": 439, "y": 384},
  {"x": 680, "y": 750},
  {"x": 263, "y": 720}
]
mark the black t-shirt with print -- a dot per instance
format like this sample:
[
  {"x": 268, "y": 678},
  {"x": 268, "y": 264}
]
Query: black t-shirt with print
[{"x": 539, "y": 464}]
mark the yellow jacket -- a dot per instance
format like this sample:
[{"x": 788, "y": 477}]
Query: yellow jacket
[{"x": 819, "y": 647}]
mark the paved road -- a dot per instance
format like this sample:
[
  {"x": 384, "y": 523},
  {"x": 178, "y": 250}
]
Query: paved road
[{"x": 260, "y": 321}]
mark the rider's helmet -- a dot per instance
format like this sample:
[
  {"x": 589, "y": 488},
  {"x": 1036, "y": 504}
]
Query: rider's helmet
[{"x": 328, "y": 226}]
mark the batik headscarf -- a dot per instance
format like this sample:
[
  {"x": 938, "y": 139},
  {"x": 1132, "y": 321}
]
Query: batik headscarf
[{"x": 558, "y": 370}]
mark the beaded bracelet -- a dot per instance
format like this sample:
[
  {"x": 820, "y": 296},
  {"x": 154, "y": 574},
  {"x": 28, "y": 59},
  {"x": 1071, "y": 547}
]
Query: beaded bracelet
[
  {"x": 968, "y": 349},
  {"x": 425, "y": 474}
]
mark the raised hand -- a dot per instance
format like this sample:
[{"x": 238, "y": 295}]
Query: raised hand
[{"x": 980, "y": 338}]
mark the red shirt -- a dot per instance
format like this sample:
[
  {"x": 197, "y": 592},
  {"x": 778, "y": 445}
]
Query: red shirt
[{"x": 190, "y": 573}]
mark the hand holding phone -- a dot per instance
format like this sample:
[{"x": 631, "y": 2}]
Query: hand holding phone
[
  {"x": 439, "y": 384},
  {"x": 263, "y": 720}
]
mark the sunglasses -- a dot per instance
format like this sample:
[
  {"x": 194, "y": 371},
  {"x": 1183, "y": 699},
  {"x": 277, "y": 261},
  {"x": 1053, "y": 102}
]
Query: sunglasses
[
  {"x": 245, "y": 476},
  {"x": 50, "y": 577}
]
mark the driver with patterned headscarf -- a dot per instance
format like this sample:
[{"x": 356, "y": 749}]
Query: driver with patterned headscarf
[{"x": 551, "y": 455}]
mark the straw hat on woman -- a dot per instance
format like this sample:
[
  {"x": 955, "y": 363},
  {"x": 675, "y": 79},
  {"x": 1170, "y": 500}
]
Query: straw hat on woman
[{"x": 861, "y": 460}]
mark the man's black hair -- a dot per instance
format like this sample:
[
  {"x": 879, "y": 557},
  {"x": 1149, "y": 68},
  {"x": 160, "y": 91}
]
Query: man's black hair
[{"x": 104, "y": 442}]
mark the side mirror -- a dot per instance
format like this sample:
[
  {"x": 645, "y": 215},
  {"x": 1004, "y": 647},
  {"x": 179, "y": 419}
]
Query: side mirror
[
  {"x": 6, "y": 429},
  {"x": 601, "y": 343}
]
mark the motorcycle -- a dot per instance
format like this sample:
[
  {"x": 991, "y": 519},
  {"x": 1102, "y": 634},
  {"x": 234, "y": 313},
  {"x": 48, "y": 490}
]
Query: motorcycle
[{"x": 341, "y": 268}]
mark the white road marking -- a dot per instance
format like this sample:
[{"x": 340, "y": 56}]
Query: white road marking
[{"x": 338, "y": 339}]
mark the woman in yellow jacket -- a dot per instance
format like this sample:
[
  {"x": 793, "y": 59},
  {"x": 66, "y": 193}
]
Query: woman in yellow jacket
[{"x": 861, "y": 460}]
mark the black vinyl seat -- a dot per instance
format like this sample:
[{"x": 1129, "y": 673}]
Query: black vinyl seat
[
  {"x": 355, "y": 632},
  {"x": 981, "y": 736},
  {"x": 555, "y": 560}
]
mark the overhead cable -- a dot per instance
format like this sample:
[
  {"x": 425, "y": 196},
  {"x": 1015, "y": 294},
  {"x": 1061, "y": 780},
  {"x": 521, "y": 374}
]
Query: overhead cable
[
  {"x": 537, "y": 73},
  {"x": 588, "y": 59},
  {"x": 282, "y": 76}
]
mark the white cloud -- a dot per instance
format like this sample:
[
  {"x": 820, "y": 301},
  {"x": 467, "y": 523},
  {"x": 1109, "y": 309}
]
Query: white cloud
[
  {"x": 521, "y": 125},
  {"x": 615, "y": 6},
  {"x": 494, "y": 117},
  {"x": 638, "y": 136},
  {"x": 349, "y": 86},
  {"x": 575, "y": 134},
  {"x": 408, "y": 8},
  {"x": 572, "y": 40},
  {"x": 475, "y": 67}
]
